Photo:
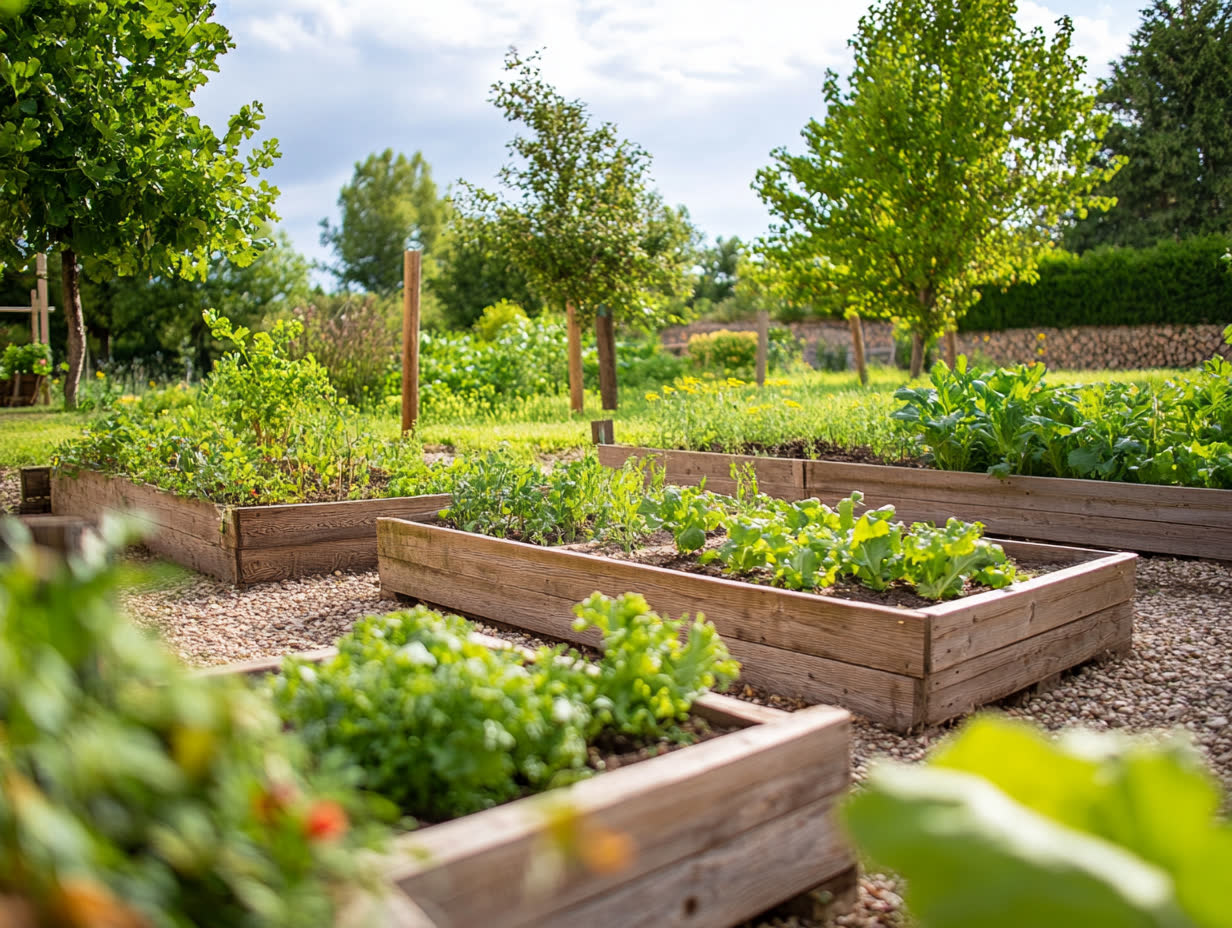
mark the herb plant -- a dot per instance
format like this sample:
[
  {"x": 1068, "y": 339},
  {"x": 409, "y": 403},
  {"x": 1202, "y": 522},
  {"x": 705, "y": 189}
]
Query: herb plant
[
  {"x": 445, "y": 726},
  {"x": 132, "y": 794}
]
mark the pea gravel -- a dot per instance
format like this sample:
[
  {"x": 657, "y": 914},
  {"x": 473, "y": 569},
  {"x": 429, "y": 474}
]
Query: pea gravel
[{"x": 1179, "y": 673}]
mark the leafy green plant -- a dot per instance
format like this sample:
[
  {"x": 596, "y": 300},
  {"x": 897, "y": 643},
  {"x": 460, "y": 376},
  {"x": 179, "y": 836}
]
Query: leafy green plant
[
  {"x": 133, "y": 794},
  {"x": 265, "y": 427},
  {"x": 649, "y": 676},
  {"x": 444, "y": 726},
  {"x": 496, "y": 317},
  {"x": 1009, "y": 421},
  {"x": 689, "y": 513},
  {"x": 498, "y": 495},
  {"x": 724, "y": 351},
  {"x": 1005, "y": 826},
  {"x": 31, "y": 358}
]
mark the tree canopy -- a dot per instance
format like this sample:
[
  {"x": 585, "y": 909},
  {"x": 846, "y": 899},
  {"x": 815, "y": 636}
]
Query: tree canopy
[
  {"x": 1170, "y": 98},
  {"x": 100, "y": 157},
  {"x": 390, "y": 205},
  {"x": 947, "y": 161}
]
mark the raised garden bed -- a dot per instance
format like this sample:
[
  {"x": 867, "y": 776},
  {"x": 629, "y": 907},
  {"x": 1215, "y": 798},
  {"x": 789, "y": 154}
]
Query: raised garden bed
[
  {"x": 242, "y": 544},
  {"x": 721, "y": 831},
  {"x": 901, "y": 667},
  {"x": 1189, "y": 521},
  {"x": 21, "y": 389}
]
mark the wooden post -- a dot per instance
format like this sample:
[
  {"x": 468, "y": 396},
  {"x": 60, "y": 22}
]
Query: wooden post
[
  {"x": 410, "y": 339},
  {"x": 857, "y": 345},
  {"x": 576, "y": 394},
  {"x": 605, "y": 339},
  {"x": 40, "y": 270},
  {"x": 763, "y": 344},
  {"x": 34, "y": 317},
  {"x": 601, "y": 432}
]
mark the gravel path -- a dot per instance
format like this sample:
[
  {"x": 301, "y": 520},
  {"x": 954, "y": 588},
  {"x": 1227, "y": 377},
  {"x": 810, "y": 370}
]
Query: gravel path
[{"x": 1179, "y": 673}]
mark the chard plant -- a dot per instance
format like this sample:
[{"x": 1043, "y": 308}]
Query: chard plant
[{"x": 1010, "y": 421}]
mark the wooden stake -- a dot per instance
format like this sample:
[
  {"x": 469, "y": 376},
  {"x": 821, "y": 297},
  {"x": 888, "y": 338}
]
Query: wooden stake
[
  {"x": 40, "y": 270},
  {"x": 34, "y": 317},
  {"x": 601, "y": 432},
  {"x": 576, "y": 396},
  {"x": 857, "y": 345},
  {"x": 410, "y": 339},
  {"x": 763, "y": 344}
]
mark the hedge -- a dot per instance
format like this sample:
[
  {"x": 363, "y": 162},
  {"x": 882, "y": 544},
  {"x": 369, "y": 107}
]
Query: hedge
[{"x": 1184, "y": 282}]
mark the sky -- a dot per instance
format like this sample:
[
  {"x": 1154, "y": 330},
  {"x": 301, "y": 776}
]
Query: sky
[{"x": 707, "y": 87}]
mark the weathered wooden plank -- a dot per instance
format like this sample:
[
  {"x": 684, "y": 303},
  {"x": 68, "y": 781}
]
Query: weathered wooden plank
[
  {"x": 965, "y": 628},
  {"x": 674, "y": 808},
  {"x": 961, "y": 688},
  {"x": 308, "y": 523},
  {"x": 719, "y": 887},
  {"x": 874, "y": 636},
  {"x": 892, "y": 699}
]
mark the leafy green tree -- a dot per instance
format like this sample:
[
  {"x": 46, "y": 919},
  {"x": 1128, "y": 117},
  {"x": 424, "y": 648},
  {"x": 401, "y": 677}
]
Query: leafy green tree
[
  {"x": 473, "y": 271},
  {"x": 1170, "y": 98},
  {"x": 390, "y": 205},
  {"x": 956, "y": 147},
  {"x": 577, "y": 217},
  {"x": 100, "y": 157},
  {"x": 718, "y": 270},
  {"x": 157, "y": 321}
]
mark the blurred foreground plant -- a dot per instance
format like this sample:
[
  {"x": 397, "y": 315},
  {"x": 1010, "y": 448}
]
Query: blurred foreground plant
[
  {"x": 1006, "y": 827},
  {"x": 134, "y": 794}
]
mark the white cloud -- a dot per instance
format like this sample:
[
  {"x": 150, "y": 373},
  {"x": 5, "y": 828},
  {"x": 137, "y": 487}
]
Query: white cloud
[{"x": 709, "y": 87}]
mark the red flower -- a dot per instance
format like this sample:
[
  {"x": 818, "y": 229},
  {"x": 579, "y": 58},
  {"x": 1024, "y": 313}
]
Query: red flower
[{"x": 326, "y": 820}]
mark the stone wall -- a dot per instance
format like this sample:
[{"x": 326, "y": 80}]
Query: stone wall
[{"x": 1080, "y": 348}]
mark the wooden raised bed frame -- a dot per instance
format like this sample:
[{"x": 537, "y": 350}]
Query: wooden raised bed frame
[
  {"x": 242, "y": 544},
  {"x": 1190, "y": 521},
  {"x": 903, "y": 668},
  {"x": 722, "y": 831}
]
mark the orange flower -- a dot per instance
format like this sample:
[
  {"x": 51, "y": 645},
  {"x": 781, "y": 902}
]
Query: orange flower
[{"x": 326, "y": 820}]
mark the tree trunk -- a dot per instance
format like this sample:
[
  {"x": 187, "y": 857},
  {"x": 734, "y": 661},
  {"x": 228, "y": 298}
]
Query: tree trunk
[
  {"x": 576, "y": 395},
  {"x": 951, "y": 347},
  {"x": 857, "y": 345},
  {"x": 917, "y": 354},
  {"x": 76, "y": 326},
  {"x": 605, "y": 336}
]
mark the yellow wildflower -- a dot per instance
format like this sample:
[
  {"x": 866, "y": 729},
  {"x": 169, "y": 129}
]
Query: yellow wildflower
[{"x": 652, "y": 397}]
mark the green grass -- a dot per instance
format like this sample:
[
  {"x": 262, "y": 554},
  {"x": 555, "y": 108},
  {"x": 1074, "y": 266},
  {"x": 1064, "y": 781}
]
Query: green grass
[{"x": 28, "y": 434}]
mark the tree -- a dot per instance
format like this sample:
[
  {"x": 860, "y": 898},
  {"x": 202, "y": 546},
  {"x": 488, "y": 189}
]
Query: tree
[
  {"x": 474, "y": 272},
  {"x": 1170, "y": 98},
  {"x": 958, "y": 144},
  {"x": 577, "y": 217},
  {"x": 718, "y": 268},
  {"x": 100, "y": 158},
  {"x": 157, "y": 321},
  {"x": 390, "y": 205}
]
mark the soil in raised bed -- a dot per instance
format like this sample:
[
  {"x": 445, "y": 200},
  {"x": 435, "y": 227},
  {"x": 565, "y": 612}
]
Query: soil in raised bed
[{"x": 818, "y": 449}]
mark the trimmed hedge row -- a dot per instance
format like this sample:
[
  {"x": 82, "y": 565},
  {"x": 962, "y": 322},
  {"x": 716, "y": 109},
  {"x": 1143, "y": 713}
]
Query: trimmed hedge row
[{"x": 1183, "y": 282}]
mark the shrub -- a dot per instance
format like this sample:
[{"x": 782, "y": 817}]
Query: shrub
[
  {"x": 723, "y": 351},
  {"x": 496, "y": 317},
  {"x": 1173, "y": 282},
  {"x": 352, "y": 338}
]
